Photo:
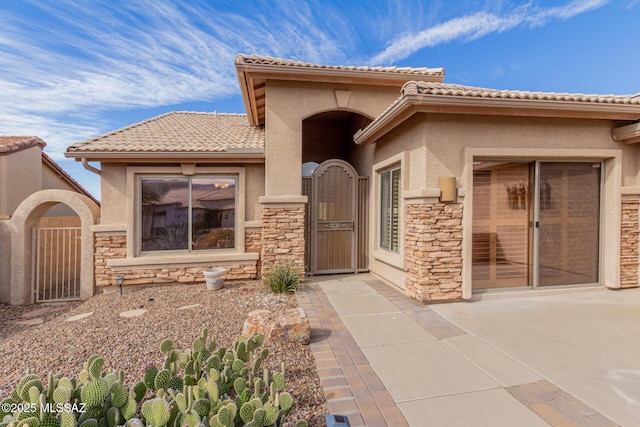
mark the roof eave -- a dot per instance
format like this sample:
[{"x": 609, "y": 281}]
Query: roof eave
[
  {"x": 249, "y": 73},
  {"x": 244, "y": 155},
  {"x": 411, "y": 104}
]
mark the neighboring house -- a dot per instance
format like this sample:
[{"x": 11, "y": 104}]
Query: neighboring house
[
  {"x": 441, "y": 189},
  {"x": 30, "y": 183},
  {"x": 25, "y": 169}
]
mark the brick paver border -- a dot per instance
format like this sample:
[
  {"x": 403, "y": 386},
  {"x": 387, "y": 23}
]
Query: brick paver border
[{"x": 350, "y": 384}]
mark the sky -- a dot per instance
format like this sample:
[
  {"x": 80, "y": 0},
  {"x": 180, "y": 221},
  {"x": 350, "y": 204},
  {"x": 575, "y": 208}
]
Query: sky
[{"x": 74, "y": 69}]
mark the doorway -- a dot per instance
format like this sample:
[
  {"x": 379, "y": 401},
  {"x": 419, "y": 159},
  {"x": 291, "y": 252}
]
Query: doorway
[
  {"x": 336, "y": 219},
  {"x": 535, "y": 224}
]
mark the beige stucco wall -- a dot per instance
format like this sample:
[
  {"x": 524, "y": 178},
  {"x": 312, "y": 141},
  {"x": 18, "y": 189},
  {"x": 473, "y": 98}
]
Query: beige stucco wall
[
  {"x": 435, "y": 145},
  {"x": 5, "y": 260},
  {"x": 113, "y": 193},
  {"x": 20, "y": 176},
  {"x": 292, "y": 102},
  {"x": 253, "y": 191}
]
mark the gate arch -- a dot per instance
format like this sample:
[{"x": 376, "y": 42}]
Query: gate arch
[{"x": 27, "y": 216}]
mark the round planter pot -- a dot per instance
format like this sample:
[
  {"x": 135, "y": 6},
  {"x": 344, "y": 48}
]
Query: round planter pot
[{"x": 214, "y": 277}]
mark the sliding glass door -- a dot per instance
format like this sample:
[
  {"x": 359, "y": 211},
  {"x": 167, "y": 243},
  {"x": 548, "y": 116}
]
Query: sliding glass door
[
  {"x": 569, "y": 223},
  {"x": 535, "y": 224}
]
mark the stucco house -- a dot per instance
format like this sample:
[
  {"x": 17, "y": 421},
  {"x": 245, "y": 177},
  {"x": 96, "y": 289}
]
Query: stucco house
[
  {"x": 34, "y": 221},
  {"x": 441, "y": 189}
]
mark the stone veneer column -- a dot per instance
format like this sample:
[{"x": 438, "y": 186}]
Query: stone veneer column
[
  {"x": 433, "y": 251},
  {"x": 108, "y": 245},
  {"x": 253, "y": 243},
  {"x": 629, "y": 254},
  {"x": 282, "y": 235}
]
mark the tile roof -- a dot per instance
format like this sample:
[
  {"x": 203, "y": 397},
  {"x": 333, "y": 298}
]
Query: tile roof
[
  {"x": 267, "y": 60},
  {"x": 11, "y": 143},
  {"x": 444, "y": 89},
  {"x": 178, "y": 132},
  {"x": 622, "y": 107}
]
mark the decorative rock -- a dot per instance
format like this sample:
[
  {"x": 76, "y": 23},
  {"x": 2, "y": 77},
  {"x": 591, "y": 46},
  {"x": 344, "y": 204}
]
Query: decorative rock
[
  {"x": 133, "y": 313},
  {"x": 290, "y": 325},
  {"x": 38, "y": 312},
  {"x": 31, "y": 322},
  {"x": 79, "y": 316},
  {"x": 185, "y": 307}
]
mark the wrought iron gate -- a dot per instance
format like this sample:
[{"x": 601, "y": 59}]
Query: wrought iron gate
[
  {"x": 336, "y": 219},
  {"x": 56, "y": 255}
]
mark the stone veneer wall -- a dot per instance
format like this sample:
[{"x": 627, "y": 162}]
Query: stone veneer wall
[
  {"x": 114, "y": 245},
  {"x": 108, "y": 246},
  {"x": 253, "y": 243},
  {"x": 282, "y": 237},
  {"x": 629, "y": 255},
  {"x": 433, "y": 251}
]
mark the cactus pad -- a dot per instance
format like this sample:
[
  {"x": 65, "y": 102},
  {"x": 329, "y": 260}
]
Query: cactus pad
[
  {"x": 129, "y": 409},
  {"x": 90, "y": 422},
  {"x": 61, "y": 395},
  {"x": 202, "y": 407},
  {"x": 156, "y": 412},
  {"x": 286, "y": 401},
  {"x": 166, "y": 346},
  {"x": 95, "y": 367},
  {"x": 119, "y": 395},
  {"x": 94, "y": 392},
  {"x": 139, "y": 390},
  {"x": 150, "y": 377},
  {"x": 162, "y": 379}
]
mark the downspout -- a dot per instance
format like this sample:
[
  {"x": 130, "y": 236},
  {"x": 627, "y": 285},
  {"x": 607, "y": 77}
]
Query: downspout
[{"x": 88, "y": 167}]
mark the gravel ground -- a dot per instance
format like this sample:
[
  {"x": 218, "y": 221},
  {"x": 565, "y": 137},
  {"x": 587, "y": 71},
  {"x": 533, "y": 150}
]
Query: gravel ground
[{"x": 129, "y": 343}]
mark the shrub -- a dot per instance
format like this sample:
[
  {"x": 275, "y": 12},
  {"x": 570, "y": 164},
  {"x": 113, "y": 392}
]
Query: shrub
[{"x": 284, "y": 277}]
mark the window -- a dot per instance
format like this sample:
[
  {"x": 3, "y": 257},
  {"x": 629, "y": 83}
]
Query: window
[
  {"x": 187, "y": 213},
  {"x": 390, "y": 209}
]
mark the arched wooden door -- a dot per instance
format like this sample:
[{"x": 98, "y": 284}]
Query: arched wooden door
[{"x": 334, "y": 212}]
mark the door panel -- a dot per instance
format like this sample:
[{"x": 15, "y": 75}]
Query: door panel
[
  {"x": 501, "y": 216},
  {"x": 567, "y": 211},
  {"x": 335, "y": 185},
  {"x": 569, "y": 223}
]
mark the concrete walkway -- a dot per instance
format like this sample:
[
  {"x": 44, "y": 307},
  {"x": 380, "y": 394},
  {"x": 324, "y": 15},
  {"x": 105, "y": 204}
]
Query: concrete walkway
[{"x": 562, "y": 360}]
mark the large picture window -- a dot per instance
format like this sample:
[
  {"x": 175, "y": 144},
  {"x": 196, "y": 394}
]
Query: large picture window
[
  {"x": 187, "y": 213},
  {"x": 390, "y": 209}
]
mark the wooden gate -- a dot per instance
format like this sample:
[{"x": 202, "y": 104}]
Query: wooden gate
[
  {"x": 336, "y": 220},
  {"x": 56, "y": 259}
]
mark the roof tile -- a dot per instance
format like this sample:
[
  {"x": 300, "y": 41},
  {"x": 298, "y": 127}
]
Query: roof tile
[
  {"x": 268, "y": 60},
  {"x": 430, "y": 88},
  {"x": 177, "y": 132},
  {"x": 11, "y": 143}
]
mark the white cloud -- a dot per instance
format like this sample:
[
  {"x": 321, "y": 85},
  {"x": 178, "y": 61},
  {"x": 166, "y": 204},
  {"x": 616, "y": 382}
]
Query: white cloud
[
  {"x": 61, "y": 74},
  {"x": 479, "y": 24},
  {"x": 65, "y": 69}
]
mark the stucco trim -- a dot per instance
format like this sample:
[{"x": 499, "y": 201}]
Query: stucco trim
[
  {"x": 391, "y": 258},
  {"x": 407, "y": 105},
  {"x": 181, "y": 260},
  {"x": 611, "y": 208}
]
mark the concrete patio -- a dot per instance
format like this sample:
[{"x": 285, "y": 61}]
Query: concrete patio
[{"x": 521, "y": 358}]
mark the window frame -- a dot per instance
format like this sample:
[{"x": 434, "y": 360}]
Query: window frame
[
  {"x": 388, "y": 203},
  {"x": 131, "y": 220},
  {"x": 190, "y": 178}
]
